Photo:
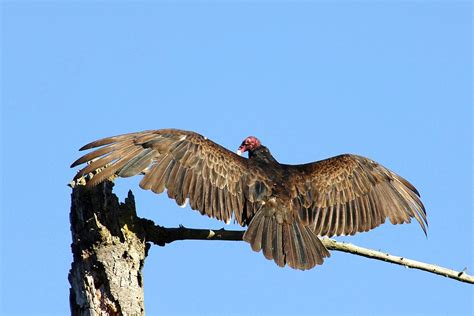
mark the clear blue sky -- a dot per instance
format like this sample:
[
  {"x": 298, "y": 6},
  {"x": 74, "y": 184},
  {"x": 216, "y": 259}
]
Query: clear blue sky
[{"x": 387, "y": 80}]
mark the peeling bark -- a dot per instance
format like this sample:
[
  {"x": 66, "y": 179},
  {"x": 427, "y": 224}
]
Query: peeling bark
[{"x": 109, "y": 251}]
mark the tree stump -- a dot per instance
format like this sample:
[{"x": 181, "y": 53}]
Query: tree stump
[{"x": 109, "y": 251}]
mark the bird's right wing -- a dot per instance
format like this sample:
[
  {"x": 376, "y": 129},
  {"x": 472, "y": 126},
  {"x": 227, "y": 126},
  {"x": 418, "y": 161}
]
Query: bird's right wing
[{"x": 216, "y": 181}]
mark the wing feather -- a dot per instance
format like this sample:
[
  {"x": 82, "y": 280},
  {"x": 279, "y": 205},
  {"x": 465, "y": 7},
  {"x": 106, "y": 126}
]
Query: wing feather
[
  {"x": 350, "y": 194},
  {"x": 216, "y": 181}
]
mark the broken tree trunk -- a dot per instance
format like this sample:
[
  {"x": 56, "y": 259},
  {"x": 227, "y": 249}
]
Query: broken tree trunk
[{"x": 109, "y": 251}]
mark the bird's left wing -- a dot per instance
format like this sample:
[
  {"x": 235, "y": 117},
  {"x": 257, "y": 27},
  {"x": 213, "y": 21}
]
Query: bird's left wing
[
  {"x": 216, "y": 181},
  {"x": 346, "y": 194}
]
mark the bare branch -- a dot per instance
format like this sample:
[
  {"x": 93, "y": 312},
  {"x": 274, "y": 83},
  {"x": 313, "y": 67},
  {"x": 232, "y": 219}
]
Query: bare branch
[
  {"x": 409, "y": 263},
  {"x": 161, "y": 236}
]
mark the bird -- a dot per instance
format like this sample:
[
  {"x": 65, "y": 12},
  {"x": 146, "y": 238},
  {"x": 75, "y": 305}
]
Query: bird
[{"x": 287, "y": 208}]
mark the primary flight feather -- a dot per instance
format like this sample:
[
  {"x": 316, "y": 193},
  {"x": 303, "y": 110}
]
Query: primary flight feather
[{"x": 286, "y": 207}]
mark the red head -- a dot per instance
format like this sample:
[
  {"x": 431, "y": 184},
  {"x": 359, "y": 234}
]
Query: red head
[{"x": 249, "y": 144}]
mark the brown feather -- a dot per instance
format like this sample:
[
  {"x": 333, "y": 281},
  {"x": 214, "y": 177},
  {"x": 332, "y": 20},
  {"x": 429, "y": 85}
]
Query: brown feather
[
  {"x": 108, "y": 172},
  {"x": 365, "y": 192},
  {"x": 109, "y": 140}
]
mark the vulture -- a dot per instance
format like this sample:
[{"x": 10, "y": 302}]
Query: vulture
[{"x": 287, "y": 208}]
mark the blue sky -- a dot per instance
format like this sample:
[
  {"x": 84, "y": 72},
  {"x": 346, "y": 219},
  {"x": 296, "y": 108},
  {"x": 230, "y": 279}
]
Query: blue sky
[{"x": 387, "y": 80}]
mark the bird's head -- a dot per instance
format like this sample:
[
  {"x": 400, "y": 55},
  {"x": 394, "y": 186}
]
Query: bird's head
[{"x": 249, "y": 144}]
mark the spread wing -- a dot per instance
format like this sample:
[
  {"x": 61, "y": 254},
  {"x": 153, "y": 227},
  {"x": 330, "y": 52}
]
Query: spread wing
[
  {"x": 216, "y": 181},
  {"x": 346, "y": 194}
]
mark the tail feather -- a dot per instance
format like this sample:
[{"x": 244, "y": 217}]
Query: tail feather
[
  {"x": 254, "y": 234},
  {"x": 287, "y": 243}
]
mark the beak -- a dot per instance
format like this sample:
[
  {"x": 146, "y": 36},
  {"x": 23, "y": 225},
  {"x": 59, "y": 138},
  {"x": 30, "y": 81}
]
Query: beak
[{"x": 241, "y": 150}]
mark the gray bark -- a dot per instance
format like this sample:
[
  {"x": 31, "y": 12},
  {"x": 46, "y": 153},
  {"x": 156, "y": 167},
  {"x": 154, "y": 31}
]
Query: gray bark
[{"x": 109, "y": 251}]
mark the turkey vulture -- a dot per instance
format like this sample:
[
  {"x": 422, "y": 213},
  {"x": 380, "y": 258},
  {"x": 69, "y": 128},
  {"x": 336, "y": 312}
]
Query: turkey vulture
[{"x": 286, "y": 207}]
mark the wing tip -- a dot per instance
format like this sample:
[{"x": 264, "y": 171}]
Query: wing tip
[
  {"x": 76, "y": 163},
  {"x": 94, "y": 144}
]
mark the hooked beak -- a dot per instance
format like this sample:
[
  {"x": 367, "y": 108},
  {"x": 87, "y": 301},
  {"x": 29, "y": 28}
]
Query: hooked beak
[{"x": 241, "y": 150}]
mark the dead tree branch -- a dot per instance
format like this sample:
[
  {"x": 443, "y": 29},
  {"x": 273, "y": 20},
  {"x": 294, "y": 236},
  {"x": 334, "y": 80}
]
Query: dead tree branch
[{"x": 161, "y": 236}]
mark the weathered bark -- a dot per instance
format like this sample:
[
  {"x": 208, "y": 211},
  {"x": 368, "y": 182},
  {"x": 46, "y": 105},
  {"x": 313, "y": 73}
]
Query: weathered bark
[{"x": 109, "y": 251}]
